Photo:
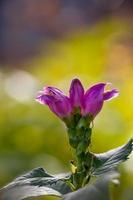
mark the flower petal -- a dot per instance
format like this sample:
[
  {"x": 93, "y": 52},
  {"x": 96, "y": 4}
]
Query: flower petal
[
  {"x": 93, "y": 99},
  {"x": 76, "y": 93},
  {"x": 52, "y": 91},
  {"x": 62, "y": 108},
  {"x": 110, "y": 94},
  {"x": 56, "y": 100},
  {"x": 96, "y": 91},
  {"x": 44, "y": 99}
]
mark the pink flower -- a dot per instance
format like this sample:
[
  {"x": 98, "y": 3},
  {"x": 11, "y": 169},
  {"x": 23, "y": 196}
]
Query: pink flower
[{"x": 89, "y": 103}]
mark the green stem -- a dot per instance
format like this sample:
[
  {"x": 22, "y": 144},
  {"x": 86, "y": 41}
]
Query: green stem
[
  {"x": 86, "y": 180},
  {"x": 71, "y": 185},
  {"x": 80, "y": 138}
]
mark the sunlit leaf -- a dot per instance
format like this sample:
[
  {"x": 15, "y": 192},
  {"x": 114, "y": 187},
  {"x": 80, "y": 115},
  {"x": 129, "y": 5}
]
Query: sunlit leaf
[
  {"x": 100, "y": 190},
  {"x": 35, "y": 183},
  {"x": 105, "y": 162}
]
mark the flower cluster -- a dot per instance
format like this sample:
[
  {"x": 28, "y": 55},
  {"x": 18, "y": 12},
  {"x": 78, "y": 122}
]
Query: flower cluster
[{"x": 88, "y": 103}]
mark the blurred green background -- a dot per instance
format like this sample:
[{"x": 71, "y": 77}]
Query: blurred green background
[{"x": 32, "y": 136}]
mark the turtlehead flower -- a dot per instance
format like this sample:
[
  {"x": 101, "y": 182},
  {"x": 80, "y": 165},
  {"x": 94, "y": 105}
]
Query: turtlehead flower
[{"x": 89, "y": 103}]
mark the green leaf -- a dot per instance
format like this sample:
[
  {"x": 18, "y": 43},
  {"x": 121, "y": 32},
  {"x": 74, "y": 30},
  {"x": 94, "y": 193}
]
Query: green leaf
[
  {"x": 105, "y": 162},
  {"x": 100, "y": 190},
  {"x": 35, "y": 183}
]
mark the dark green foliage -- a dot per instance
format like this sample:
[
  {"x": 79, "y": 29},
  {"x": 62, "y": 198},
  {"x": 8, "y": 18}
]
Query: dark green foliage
[{"x": 35, "y": 183}]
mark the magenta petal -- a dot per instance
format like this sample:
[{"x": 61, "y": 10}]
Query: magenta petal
[
  {"x": 110, "y": 94},
  {"x": 52, "y": 91},
  {"x": 93, "y": 100},
  {"x": 76, "y": 93},
  {"x": 96, "y": 91},
  {"x": 62, "y": 108},
  {"x": 44, "y": 99},
  {"x": 56, "y": 100}
]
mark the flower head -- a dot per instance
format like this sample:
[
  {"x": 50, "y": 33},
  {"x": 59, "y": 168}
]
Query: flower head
[{"x": 89, "y": 102}]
